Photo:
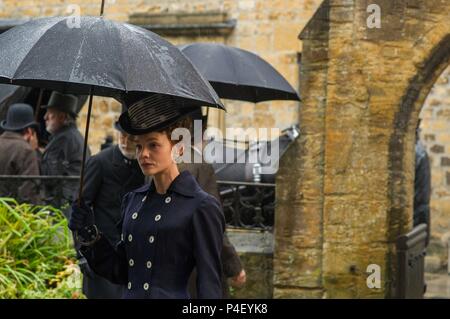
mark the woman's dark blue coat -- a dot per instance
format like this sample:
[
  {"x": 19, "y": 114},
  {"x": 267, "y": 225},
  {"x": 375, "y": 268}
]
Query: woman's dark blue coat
[{"x": 164, "y": 236}]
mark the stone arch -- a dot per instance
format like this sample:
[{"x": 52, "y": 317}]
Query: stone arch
[
  {"x": 402, "y": 139},
  {"x": 345, "y": 187}
]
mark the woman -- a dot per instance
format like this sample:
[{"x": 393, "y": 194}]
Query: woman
[{"x": 169, "y": 226}]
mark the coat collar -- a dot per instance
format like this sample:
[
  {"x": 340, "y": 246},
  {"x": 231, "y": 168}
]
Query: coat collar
[
  {"x": 184, "y": 184},
  {"x": 12, "y": 136}
]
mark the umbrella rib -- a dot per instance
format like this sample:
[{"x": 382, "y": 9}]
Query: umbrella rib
[{"x": 79, "y": 50}]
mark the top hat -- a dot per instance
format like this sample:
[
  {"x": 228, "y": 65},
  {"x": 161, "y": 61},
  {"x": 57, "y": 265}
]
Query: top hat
[
  {"x": 117, "y": 124},
  {"x": 66, "y": 103},
  {"x": 153, "y": 113},
  {"x": 19, "y": 117}
]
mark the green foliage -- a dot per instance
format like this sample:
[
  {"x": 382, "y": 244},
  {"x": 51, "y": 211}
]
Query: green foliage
[{"x": 37, "y": 259}]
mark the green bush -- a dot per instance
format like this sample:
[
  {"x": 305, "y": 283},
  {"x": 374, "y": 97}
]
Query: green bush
[{"x": 37, "y": 259}]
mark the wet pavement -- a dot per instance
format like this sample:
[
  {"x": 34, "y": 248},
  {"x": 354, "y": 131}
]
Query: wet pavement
[{"x": 438, "y": 285}]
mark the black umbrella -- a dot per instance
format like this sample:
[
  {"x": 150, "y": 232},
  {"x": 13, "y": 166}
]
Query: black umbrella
[
  {"x": 238, "y": 74},
  {"x": 100, "y": 57}
]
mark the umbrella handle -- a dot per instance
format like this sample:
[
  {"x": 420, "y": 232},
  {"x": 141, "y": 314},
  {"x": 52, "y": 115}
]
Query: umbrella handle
[
  {"x": 86, "y": 136},
  {"x": 102, "y": 8},
  {"x": 38, "y": 105}
]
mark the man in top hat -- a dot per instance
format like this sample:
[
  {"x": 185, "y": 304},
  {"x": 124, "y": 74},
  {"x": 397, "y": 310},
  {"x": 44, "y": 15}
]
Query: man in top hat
[
  {"x": 109, "y": 175},
  {"x": 206, "y": 177},
  {"x": 63, "y": 154},
  {"x": 18, "y": 146}
]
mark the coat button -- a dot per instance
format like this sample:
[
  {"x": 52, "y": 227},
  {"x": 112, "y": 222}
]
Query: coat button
[
  {"x": 146, "y": 285},
  {"x": 129, "y": 285},
  {"x": 157, "y": 217},
  {"x": 135, "y": 215},
  {"x": 149, "y": 264},
  {"x": 145, "y": 197},
  {"x": 131, "y": 262},
  {"x": 130, "y": 237},
  {"x": 121, "y": 237},
  {"x": 168, "y": 199},
  {"x": 151, "y": 239}
]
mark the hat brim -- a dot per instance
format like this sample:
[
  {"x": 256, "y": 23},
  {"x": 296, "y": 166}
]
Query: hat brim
[
  {"x": 118, "y": 127},
  {"x": 7, "y": 127},
  {"x": 125, "y": 123},
  {"x": 61, "y": 110}
]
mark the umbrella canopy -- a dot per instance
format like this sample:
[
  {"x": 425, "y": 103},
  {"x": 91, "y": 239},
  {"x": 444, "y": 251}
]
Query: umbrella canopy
[
  {"x": 238, "y": 74},
  {"x": 101, "y": 57}
]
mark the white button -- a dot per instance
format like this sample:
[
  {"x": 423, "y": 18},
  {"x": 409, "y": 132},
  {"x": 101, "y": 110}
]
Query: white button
[
  {"x": 131, "y": 262},
  {"x": 130, "y": 237},
  {"x": 135, "y": 215},
  {"x": 121, "y": 237},
  {"x": 146, "y": 286},
  {"x": 151, "y": 239},
  {"x": 129, "y": 285},
  {"x": 149, "y": 264},
  {"x": 157, "y": 217},
  {"x": 145, "y": 197},
  {"x": 168, "y": 199}
]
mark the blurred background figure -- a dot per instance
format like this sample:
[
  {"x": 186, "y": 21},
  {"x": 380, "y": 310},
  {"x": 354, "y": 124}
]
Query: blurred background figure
[
  {"x": 108, "y": 142},
  {"x": 203, "y": 172},
  {"x": 422, "y": 185},
  {"x": 63, "y": 154},
  {"x": 18, "y": 144}
]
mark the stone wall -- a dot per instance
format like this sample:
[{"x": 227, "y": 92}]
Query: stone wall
[{"x": 255, "y": 249}]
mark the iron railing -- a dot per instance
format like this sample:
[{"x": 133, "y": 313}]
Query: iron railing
[
  {"x": 44, "y": 190},
  {"x": 248, "y": 205}
]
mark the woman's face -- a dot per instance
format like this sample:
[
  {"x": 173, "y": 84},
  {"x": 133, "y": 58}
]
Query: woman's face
[{"x": 154, "y": 152}]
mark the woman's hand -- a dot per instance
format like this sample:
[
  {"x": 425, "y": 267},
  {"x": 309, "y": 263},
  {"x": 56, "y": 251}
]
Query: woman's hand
[{"x": 239, "y": 280}]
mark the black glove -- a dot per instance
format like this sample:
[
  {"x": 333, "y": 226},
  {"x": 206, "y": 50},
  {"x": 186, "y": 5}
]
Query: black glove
[{"x": 82, "y": 216}]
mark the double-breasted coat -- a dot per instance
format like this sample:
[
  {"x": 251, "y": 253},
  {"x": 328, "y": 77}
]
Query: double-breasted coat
[{"x": 164, "y": 236}]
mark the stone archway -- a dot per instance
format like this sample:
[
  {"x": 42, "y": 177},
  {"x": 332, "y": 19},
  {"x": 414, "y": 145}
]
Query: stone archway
[
  {"x": 435, "y": 137},
  {"x": 345, "y": 188}
]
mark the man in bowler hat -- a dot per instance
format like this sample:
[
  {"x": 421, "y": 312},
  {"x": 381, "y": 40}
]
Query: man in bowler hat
[
  {"x": 18, "y": 146},
  {"x": 63, "y": 154}
]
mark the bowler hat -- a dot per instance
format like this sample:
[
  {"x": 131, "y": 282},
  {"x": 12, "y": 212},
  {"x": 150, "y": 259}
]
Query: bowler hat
[
  {"x": 19, "y": 117},
  {"x": 66, "y": 103}
]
